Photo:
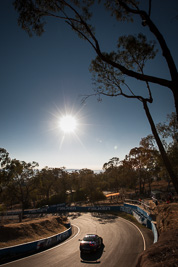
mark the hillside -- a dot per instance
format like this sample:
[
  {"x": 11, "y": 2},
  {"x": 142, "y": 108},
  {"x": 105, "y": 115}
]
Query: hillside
[
  {"x": 14, "y": 233},
  {"x": 164, "y": 253}
]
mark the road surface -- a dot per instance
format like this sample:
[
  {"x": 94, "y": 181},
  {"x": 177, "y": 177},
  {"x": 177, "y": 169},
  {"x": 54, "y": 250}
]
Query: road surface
[{"x": 122, "y": 244}]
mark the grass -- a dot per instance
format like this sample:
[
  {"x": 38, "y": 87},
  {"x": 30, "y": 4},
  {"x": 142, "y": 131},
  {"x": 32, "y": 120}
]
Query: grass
[{"x": 128, "y": 217}]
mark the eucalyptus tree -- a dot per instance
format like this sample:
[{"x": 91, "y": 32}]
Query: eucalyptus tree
[
  {"x": 153, "y": 160},
  {"x": 169, "y": 129},
  {"x": 117, "y": 64},
  {"x": 44, "y": 183},
  {"x": 168, "y": 132},
  {"x": 4, "y": 157},
  {"x": 74, "y": 180},
  {"x": 144, "y": 161},
  {"x": 77, "y": 15},
  {"x": 113, "y": 162},
  {"x": 112, "y": 172},
  {"x": 4, "y": 161},
  {"x": 88, "y": 183},
  {"x": 128, "y": 175},
  {"x": 21, "y": 181}
]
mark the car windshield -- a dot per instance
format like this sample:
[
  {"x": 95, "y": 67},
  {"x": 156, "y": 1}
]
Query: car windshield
[{"x": 89, "y": 238}]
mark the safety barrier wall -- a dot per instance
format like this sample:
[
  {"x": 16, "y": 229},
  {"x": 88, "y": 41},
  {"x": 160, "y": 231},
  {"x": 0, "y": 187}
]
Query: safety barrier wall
[
  {"x": 32, "y": 247},
  {"x": 138, "y": 210},
  {"x": 142, "y": 216},
  {"x": 74, "y": 209},
  {"x": 154, "y": 230},
  {"x": 127, "y": 208}
]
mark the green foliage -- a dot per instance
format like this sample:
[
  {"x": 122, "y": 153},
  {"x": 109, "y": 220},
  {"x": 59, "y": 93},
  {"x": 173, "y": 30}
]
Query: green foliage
[
  {"x": 21, "y": 183},
  {"x": 98, "y": 195},
  {"x": 134, "y": 51},
  {"x": 4, "y": 157},
  {"x": 57, "y": 199},
  {"x": 169, "y": 129},
  {"x": 111, "y": 69},
  {"x": 80, "y": 195},
  {"x": 118, "y": 10},
  {"x": 53, "y": 200},
  {"x": 173, "y": 155},
  {"x": 42, "y": 202},
  {"x": 33, "y": 14},
  {"x": 169, "y": 136}
]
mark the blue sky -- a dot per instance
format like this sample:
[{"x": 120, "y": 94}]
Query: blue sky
[{"x": 43, "y": 78}]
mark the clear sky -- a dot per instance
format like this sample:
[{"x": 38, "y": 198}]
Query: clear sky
[{"x": 43, "y": 79}]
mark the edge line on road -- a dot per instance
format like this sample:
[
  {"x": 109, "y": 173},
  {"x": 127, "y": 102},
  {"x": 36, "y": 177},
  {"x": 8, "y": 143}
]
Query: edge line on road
[
  {"x": 144, "y": 242},
  {"x": 46, "y": 250}
]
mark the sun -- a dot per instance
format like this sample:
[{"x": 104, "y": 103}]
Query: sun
[{"x": 68, "y": 124}]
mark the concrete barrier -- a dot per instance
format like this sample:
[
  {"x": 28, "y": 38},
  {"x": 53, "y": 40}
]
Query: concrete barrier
[
  {"x": 33, "y": 247},
  {"x": 153, "y": 228},
  {"x": 142, "y": 217}
]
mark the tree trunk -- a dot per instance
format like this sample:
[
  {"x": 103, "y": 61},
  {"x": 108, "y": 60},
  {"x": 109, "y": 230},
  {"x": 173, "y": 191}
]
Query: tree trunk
[
  {"x": 140, "y": 183},
  {"x": 175, "y": 93},
  {"x": 164, "y": 156}
]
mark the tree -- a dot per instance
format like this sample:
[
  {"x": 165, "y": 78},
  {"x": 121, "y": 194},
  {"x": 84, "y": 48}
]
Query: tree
[
  {"x": 144, "y": 161},
  {"x": 135, "y": 158},
  {"x": 44, "y": 182},
  {"x": 61, "y": 180},
  {"x": 153, "y": 159},
  {"x": 118, "y": 64},
  {"x": 76, "y": 14},
  {"x": 21, "y": 182},
  {"x": 169, "y": 136},
  {"x": 4, "y": 160},
  {"x": 4, "y": 157},
  {"x": 114, "y": 162},
  {"x": 50, "y": 182},
  {"x": 169, "y": 129},
  {"x": 111, "y": 82},
  {"x": 113, "y": 172},
  {"x": 128, "y": 174},
  {"x": 88, "y": 183},
  {"x": 74, "y": 180}
]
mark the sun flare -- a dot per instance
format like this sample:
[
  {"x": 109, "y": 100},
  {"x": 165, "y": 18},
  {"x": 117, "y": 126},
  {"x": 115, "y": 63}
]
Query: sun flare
[{"x": 68, "y": 124}]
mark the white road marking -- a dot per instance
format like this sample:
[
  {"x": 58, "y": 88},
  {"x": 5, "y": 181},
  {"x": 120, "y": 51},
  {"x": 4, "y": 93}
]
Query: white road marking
[
  {"x": 68, "y": 240},
  {"x": 144, "y": 242}
]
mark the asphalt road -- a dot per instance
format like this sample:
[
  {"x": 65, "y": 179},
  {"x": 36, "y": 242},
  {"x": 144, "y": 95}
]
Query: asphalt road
[{"x": 122, "y": 244}]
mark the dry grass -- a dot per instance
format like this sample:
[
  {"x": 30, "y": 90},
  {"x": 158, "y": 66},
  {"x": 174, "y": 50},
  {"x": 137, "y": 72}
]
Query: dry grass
[
  {"x": 164, "y": 253},
  {"x": 30, "y": 230}
]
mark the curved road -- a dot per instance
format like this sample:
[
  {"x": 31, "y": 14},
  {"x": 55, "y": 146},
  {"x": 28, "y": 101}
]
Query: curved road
[{"x": 122, "y": 244}]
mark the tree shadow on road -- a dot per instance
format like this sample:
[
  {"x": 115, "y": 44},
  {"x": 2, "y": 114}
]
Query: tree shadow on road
[
  {"x": 74, "y": 215},
  {"x": 104, "y": 218},
  {"x": 92, "y": 258}
]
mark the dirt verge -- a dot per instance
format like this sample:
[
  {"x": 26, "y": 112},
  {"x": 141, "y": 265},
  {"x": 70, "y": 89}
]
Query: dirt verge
[
  {"x": 164, "y": 253},
  {"x": 12, "y": 234}
]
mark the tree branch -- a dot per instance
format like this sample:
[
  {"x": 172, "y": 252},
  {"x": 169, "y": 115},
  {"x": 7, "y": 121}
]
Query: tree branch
[{"x": 166, "y": 52}]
